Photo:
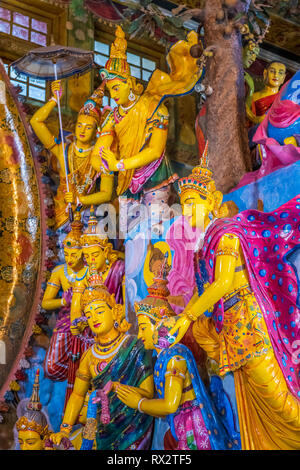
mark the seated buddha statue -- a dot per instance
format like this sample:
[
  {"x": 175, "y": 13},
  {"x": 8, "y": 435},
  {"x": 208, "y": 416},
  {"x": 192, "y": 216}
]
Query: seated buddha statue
[
  {"x": 32, "y": 427},
  {"x": 274, "y": 76},
  {"x": 244, "y": 313},
  {"x": 133, "y": 137},
  {"x": 115, "y": 357},
  {"x": 76, "y": 164}
]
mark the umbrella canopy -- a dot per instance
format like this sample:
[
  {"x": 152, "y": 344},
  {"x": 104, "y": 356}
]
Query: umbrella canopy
[{"x": 39, "y": 62}]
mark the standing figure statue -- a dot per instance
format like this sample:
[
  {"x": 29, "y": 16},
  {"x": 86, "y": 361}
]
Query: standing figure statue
[
  {"x": 246, "y": 312},
  {"x": 133, "y": 137},
  {"x": 182, "y": 396},
  {"x": 77, "y": 163},
  {"x": 115, "y": 357}
]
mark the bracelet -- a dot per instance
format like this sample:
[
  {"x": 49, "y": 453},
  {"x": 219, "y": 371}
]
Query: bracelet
[
  {"x": 227, "y": 251},
  {"x": 120, "y": 165},
  {"x": 139, "y": 404},
  {"x": 62, "y": 302},
  {"x": 53, "y": 99},
  {"x": 191, "y": 316},
  {"x": 66, "y": 428}
]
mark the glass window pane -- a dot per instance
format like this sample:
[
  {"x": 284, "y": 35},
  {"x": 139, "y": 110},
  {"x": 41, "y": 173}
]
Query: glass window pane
[
  {"x": 102, "y": 48},
  {"x": 23, "y": 92},
  {"x": 38, "y": 38},
  {"x": 39, "y": 26},
  {"x": 6, "y": 67},
  {"x": 148, "y": 64},
  {"x": 133, "y": 59},
  {"x": 5, "y": 14},
  {"x": 21, "y": 19},
  {"x": 113, "y": 104},
  {"x": 19, "y": 32},
  {"x": 21, "y": 77},
  {"x": 135, "y": 72},
  {"x": 4, "y": 27},
  {"x": 36, "y": 81},
  {"x": 100, "y": 59},
  {"x": 36, "y": 93},
  {"x": 146, "y": 75}
]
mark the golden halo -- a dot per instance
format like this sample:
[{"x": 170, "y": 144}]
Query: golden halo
[{"x": 164, "y": 248}]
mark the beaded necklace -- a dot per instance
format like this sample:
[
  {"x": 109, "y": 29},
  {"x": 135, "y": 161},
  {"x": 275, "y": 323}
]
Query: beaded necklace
[{"x": 112, "y": 353}]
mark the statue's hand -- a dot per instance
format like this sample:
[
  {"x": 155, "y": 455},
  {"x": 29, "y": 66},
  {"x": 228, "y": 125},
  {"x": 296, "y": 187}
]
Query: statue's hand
[
  {"x": 181, "y": 326},
  {"x": 128, "y": 396},
  {"x": 56, "y": 89},
  {"x": 108, "y": 159}
]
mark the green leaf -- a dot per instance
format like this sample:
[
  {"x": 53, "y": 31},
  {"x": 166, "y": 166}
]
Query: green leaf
[{"x": 134, "y": 25}]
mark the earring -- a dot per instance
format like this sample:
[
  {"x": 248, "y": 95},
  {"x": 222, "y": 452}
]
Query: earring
[
  {"x": 131, "y": 96},
  {"x": 107, "y": 261},
  {"x": 210, "y": 216},
  {"x": 116, "y": 325}
]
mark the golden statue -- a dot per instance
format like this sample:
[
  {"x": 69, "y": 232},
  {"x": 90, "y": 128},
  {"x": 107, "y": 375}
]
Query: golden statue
[
  {"x": 235, "y": 311},
  {"x": 103, "y": 366},
  {"x": 274, "y": 76},
  {"x": 81, "y": 174},
  {"x": 182, "y": 397},
  {"x": 33, "y": 427},
  {"x": 133, "y": 136}
]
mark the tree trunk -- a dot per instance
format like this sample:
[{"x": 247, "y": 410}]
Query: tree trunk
[{"x": 229, "y": 156}]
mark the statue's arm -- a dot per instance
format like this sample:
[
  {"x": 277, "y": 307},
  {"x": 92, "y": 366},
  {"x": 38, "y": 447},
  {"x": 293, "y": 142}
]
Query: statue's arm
[
  {"x": 224, "y": 272},
  {"x": 75, "y": 311},
  {"x": 50, "y": 302},
  {"x": 105, "y": 193}
]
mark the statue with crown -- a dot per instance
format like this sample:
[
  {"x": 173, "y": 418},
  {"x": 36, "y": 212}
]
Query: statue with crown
[
  {"x": 133, "y": 136},
  {"x": 245, "y": 311}
]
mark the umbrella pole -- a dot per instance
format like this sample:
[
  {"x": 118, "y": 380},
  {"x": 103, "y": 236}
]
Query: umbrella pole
[{"x": 63, "y": 144}]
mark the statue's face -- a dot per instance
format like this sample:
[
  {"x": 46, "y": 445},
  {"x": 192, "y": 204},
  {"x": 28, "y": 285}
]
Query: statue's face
[
  {"x": 250, "y": 52},
  {"x": 274, "y": 75},
  {"x": 146, "y": 331},
  {"x": 73, "y": 256},
  {"x": 85, "y": 128},
  {"x": 119, "y": 90},
  {"x": 195, "y": 207},
  {"x": 99, "y": 317},
  {"x": 30, "y": 440},
  {"x": 94, "y": 256}
]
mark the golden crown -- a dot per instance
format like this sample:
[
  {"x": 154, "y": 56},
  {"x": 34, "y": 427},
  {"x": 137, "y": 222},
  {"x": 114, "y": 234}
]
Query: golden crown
[
  {"x": 72, "y": 240},
  {"x": 200, "y": 179},
  {"x": 117, "y": 65}
]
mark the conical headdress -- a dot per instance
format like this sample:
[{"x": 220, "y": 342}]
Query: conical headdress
[
  {"x": 200, "y": 179},
  {"x": 117, "y": 65},
  {"x": 156, "y": 305},
  {"x": 92, "y": 106}
]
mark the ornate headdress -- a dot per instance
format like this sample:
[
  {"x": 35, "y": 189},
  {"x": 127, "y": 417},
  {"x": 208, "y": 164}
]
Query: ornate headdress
[
  {"x": 72, "y": 240},
  {"x": 92, "y": 106},
  {"x": 117, "y": 65},
  {"x": 92, "y": 236},
  {"x": 156, "y": 305},
  {"x": 33, "y": 418},
  {"x": 201, "y": 178}
]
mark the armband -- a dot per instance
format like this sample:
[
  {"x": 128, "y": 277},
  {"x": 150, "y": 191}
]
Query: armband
[
  {"x": 52, "y": 284},
  {"x": 227, "y": 251},
  {"x": 175, "y": 373},
  {"x": 83, "y": 377},
  {"x": 191, "y": 316}
]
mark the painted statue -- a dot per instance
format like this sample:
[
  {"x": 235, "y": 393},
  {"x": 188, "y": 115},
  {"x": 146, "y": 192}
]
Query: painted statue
[
  {"x": 32, "y": 427},
  {"x": 274, "y": 76},
  {"x": 250, "y": 53},
  {"x": 82, "y": 175},
  {"x": 181, "y": 394},
  {"x": 116, "y": 357},
  {"x": 65, "y": 349},
  {"x": 133, "y": 137},
  {"x": 277, "y": 137},
  {"x": 246, "y": 312}
]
